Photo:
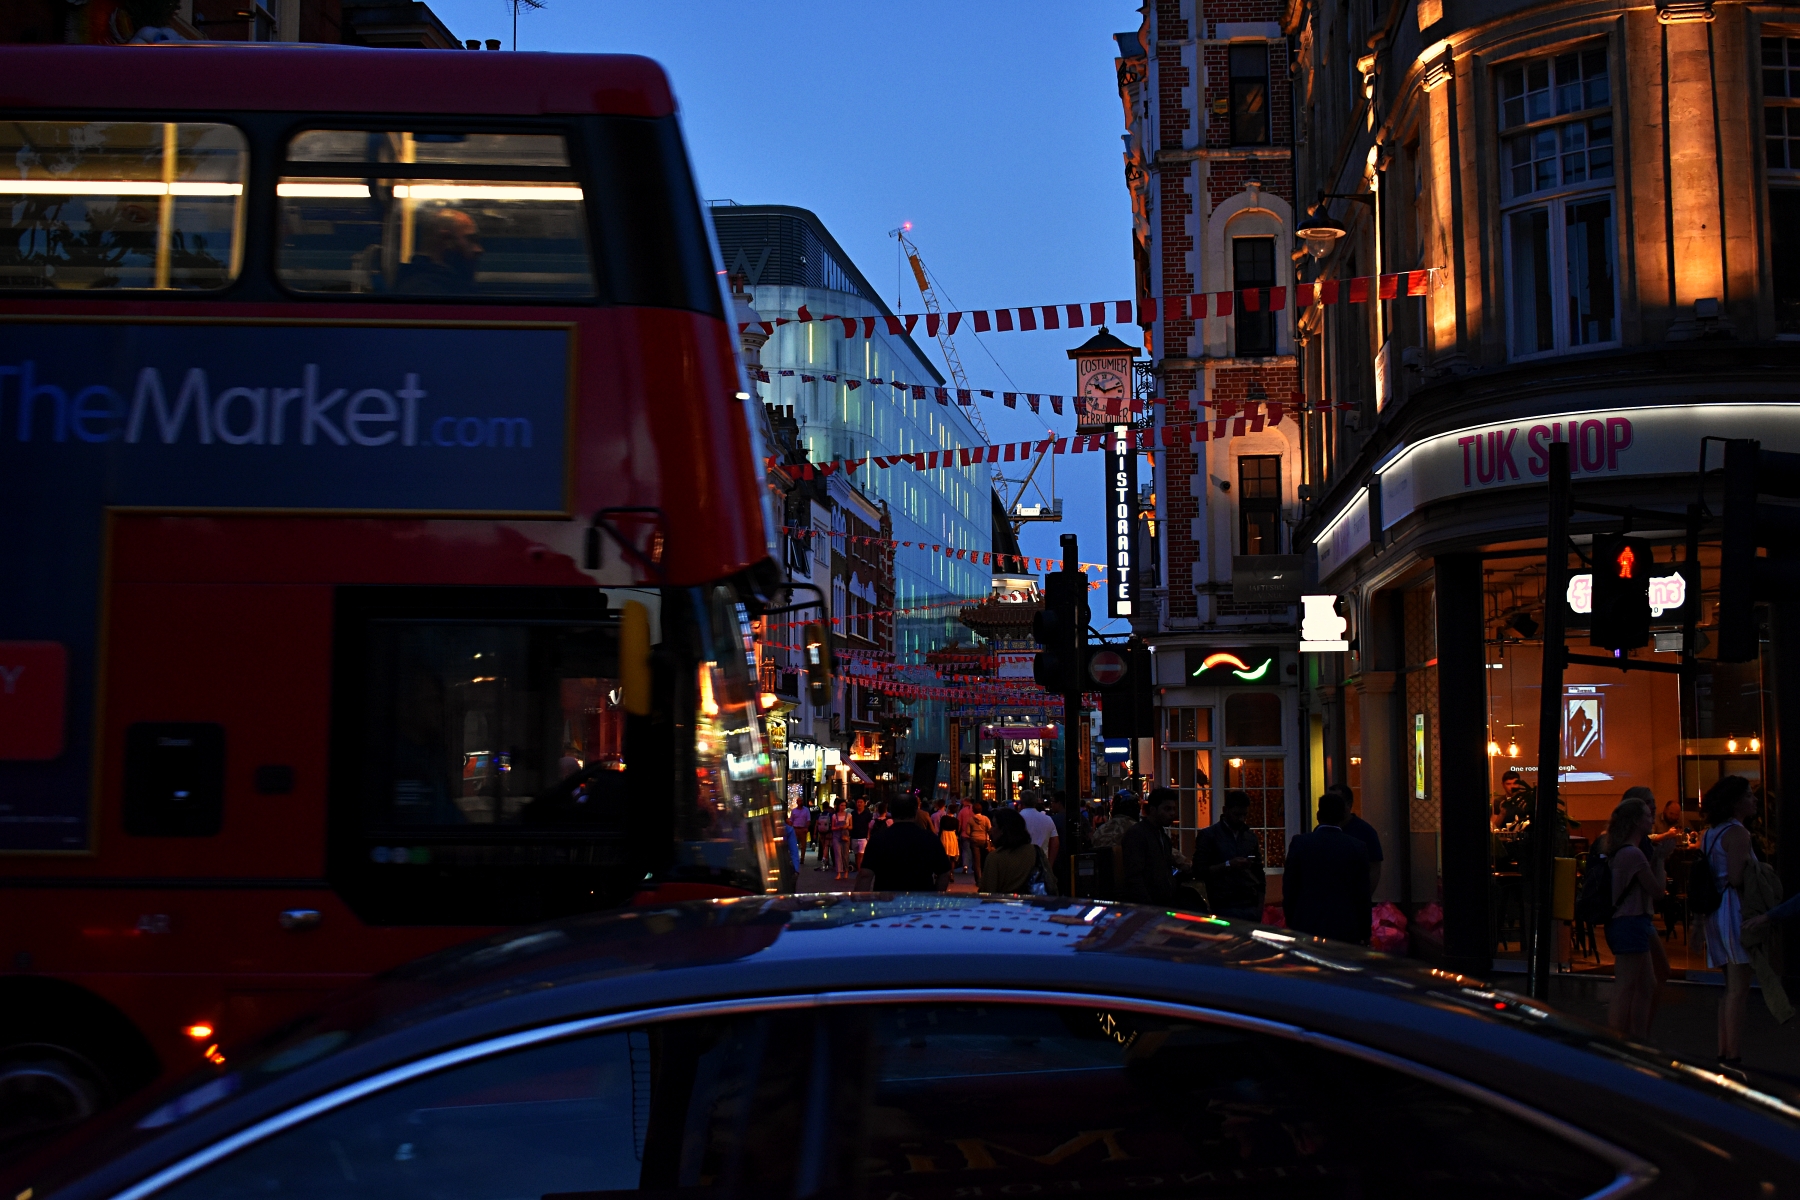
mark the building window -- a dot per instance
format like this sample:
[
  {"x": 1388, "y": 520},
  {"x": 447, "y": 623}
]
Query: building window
[
  {"x": 1253, "y": 266},
  {"x": 1259, "y": 504},
  {"x": 1561, "y": 234},
  {"x": 1250, "y": 95},
  {"x": 1781, "y": 138}
]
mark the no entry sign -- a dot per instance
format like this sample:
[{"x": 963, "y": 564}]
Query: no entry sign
[{"x": 1106, "y": 667}]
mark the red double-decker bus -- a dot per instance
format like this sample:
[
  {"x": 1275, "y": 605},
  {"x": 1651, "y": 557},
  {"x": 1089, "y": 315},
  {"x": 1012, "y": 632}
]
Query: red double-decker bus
[{"x": 381, "y": 528}]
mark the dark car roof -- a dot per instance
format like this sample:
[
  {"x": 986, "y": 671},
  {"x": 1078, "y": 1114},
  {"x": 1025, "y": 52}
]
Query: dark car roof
[{"x": 802, "y": 946}]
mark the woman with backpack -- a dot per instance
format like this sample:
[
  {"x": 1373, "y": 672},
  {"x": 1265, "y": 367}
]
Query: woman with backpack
[
  {"x": 1724, "y": 853},
  {"x": 1639, "y": 963}
]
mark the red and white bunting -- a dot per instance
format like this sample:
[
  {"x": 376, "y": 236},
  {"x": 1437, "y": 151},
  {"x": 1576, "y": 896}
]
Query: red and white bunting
[{"x": 1145, "y": 311}]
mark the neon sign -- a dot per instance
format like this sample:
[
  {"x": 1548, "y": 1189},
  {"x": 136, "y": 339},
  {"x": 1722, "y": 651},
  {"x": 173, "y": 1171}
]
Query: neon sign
[{"x": 1667, "y": 592}]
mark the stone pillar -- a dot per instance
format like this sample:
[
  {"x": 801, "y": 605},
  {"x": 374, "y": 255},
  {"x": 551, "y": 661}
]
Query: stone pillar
[
  {"x": 1383, "y": 776},
  {"x": 1463, "y": 762}
]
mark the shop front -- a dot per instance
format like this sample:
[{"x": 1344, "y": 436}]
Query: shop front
[
  {"x": 1433, "y": 716},
  {"x": 1228, "y": 722}
]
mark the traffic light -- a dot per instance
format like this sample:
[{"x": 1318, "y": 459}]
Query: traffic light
[
  {"x": 1060, "y": 627},
  {"x": 1620, "y": 612},
  {"x": 815, "y": 642},
  {"x": 1744, "y": 576}
]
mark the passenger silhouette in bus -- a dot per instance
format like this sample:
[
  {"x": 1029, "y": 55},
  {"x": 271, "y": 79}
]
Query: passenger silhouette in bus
[{"x": 448, "y": 250}]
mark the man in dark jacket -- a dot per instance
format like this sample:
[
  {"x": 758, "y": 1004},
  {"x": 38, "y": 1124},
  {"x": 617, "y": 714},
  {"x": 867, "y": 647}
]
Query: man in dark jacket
[
  {"x": 1149, "y": 869},
  {"x": 904, "y": 857},
  {"x": 1229, "y": 859},
  {"x": 1363, "y": 832},
  {"x": 1325, "y": 888}
]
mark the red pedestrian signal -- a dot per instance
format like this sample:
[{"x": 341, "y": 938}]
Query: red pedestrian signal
[{"x": 1620, "y": 611}]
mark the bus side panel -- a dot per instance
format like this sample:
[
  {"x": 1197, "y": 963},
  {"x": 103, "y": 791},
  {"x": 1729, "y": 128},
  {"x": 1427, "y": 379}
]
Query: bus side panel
[
  {"x": 209, "y": 945},
  {"x": 688, "y": 449},
  {"x": 255, "y": 659}
]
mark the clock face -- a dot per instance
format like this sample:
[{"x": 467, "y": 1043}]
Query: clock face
[{"x": 1106, "y": 384}]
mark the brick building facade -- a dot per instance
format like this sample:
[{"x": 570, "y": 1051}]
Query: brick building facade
[{"x": 1209, "y": 164}]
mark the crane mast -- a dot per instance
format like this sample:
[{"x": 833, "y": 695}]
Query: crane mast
[{"x": 958, "y": 377}]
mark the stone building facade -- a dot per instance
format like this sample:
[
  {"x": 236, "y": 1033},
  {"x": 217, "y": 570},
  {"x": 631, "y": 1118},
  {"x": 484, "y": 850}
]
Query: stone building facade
[{"x": 1607, "y": 197}]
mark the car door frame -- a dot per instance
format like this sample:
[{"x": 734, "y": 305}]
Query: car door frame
[{"x": 1632, "y": 1173}]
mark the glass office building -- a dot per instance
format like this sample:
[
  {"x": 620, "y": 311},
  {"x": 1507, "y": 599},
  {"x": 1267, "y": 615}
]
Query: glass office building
[{"x": 790, "y": 260}]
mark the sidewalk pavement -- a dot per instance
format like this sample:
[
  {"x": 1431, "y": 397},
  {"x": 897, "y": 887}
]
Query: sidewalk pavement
[{"x": 1686, "y": 1023}]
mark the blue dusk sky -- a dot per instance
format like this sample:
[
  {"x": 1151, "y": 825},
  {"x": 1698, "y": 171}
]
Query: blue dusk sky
[{"x": 993, "y": 126}]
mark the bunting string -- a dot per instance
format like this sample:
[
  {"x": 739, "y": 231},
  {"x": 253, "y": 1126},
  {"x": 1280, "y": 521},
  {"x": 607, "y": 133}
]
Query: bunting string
[
  {"x": 1023, "y": 562},
  {"x": 1239, "y": 417},
  {"x": 1146, "y": 310}
]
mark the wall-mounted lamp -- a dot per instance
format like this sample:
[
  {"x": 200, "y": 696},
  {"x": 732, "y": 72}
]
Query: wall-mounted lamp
[{"x": 1318, "y": 229}]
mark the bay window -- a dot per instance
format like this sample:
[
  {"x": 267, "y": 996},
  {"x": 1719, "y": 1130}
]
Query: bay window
[
  {"x": 1781, "y": 142},
  {"x": 1559, "y": 221}
]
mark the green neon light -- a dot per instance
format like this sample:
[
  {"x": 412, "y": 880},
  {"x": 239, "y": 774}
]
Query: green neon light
[{"x": 1252, "y": 676}]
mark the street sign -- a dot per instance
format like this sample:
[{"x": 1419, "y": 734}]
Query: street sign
[{"x": 1106, "y": 667}]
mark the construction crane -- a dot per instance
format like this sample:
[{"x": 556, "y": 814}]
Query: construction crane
[
  {"x": 958, "y": 377},
  {"x": 1017, "y": 513}
]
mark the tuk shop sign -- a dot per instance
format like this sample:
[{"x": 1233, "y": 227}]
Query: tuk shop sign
[{"x": 1604, "y": 443}]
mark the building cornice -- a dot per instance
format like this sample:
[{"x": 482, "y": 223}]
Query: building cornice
[{"x": 1166, "y": 158}]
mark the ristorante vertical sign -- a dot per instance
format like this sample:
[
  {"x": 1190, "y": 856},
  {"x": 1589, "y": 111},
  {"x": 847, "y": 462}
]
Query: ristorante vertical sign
[{"x": 1121, "y": 506}]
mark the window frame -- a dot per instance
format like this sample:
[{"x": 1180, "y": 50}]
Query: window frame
[
  {"x": 1555, "y": 201},
  {"x": 1231, "y": 99},
  {"x": 1264, "y": 321},
  {"x": 1261, "y": 504},
  {"x": 244, "y": 220},
  {"x": 579, "y": 172},
  {"x": 1556, "y": 210},
  {"x": 1632, "y": 1171},
  {"x": 1778, "y": 179}
]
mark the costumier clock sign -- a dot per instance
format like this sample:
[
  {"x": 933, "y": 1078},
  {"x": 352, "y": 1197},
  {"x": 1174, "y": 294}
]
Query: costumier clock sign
[{"x": 1102, "y": 382}]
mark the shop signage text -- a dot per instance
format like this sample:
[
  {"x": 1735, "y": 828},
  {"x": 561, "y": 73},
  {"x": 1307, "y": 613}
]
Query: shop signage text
[
  {"x": 1121, "y": 501},
  {"x": 1667, "y": 593},
  {"x": 1612, "y": 443}
]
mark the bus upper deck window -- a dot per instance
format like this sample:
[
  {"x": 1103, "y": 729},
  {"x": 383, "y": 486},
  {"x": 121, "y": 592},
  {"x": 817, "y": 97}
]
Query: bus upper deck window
[
  {"x": 96, "y": 205},
  {"x": 433, "y": 216}
]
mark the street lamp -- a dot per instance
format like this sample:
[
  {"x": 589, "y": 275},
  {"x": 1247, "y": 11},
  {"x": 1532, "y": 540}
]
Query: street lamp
[{"x": 1319, "y": 229}]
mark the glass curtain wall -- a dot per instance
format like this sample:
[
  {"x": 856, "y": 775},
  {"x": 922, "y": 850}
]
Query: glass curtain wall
[{"x": 948, "y": 507}]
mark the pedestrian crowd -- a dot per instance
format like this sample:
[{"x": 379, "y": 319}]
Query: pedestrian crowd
[
  {"x": 1734, "y": 893},
  {"x": 1330, "y": 873}
]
